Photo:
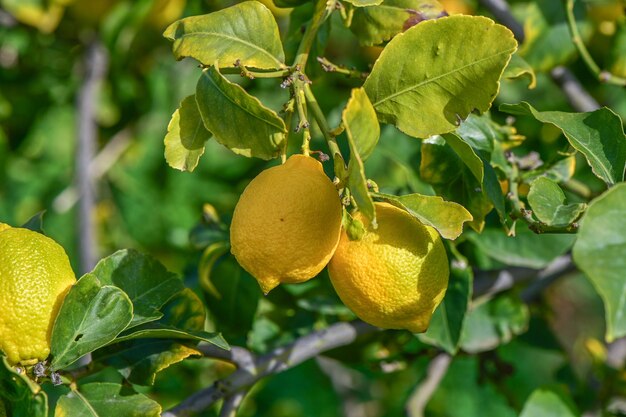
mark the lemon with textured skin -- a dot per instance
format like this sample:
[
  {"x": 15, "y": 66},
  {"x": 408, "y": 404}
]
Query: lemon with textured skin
[
  {"x": 396, "y": 275},
  {"x": 35, "y": 275},
  {"x": 287, "y": 223}
]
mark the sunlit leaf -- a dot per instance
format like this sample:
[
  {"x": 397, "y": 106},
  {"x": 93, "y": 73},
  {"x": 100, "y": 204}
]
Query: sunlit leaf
[
  {"x": 519, "y": 68},
  {"x": 547, "y": 201},
  {"x": 360, "y": 122},
  {"x": 432, "y": 76},
  {"x": 548, "y": 403},
  {"x": 105, "y": 399}
]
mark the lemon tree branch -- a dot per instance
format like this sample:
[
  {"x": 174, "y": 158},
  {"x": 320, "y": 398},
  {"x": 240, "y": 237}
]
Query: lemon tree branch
[{"x": 274, "y": 362}]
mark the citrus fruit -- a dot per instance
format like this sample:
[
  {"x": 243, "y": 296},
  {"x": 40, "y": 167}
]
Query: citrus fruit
[
  {"x": 394, "y": 276},
  {"x": 35, "y": 275},
  {"x": 287, "y": 223}
]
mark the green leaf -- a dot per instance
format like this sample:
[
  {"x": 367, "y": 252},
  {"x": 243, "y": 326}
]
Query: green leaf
[
  {"x": 445, "y": 171},
  {"x": 20, "y": 394},
  {"x": 354, "y": 227},
  {"x": 246, "y": 32},
  {"x": 526, "y": 249},
  {"x": 242, "y": 123},
  {"x": 467, "y": 155},
  {"x": 548, "y": 403},
  {"x": 35, "y": 223},
  {"x": 146, "y": 282},
  {"x": 494, "y": 322},
  {"x": 91, "y": 316},
  {"x": 599, "y": 253},
  {"x": 364, "y": 3},
  {"x": 445, "y": 216},
  {"x": 375, "y": 25},
  {"x": 105, "y": 399},
  {"x": 357, "y": 183},
  {"x": 519, "y": 68},
  {"x": 547, "y": 201},
  {"x": 186, "y": 135},
  {"x": 360, "y": 122},
  {"x": 446, "y": 324},
  {"x": 432, "y": 76},
  {"x": 598, "y": 135}
]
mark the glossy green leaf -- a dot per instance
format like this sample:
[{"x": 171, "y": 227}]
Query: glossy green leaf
[
  {"x": 105, "y": 399},
  {"x": 547, "y": 201},
  {"x": 494, "y": 322},
  {"x": 375, "y": 25},
  {"x": 525, "y": 249},
  {"x": 599, "y": 252},
  {"x": 35, "y": 223},
  {"x": 447, "y": 322},
  {"x": 548, "y": 403},
  {"x": 186, "y": 135},
  {"x": 598, "y": 135},
  {"x": 432, "y": 76},
  {"x": 445, "y": 216},
  {"x": 519, "y": 68},
  {"x": 246, "y": 32},
  {"x": 357, "y": 183},
  {"x": 91, "y": 316},
  {"x": 20, "y": 394},
  {"x": 238, "y": 120},
  {"x": 467, "y": 155},
  {"x": 441, "y": 167},
  {"x": 146, "y": 282},
  {"x": 364, "y": 3},
  {"x": 480, "y": 132},
  {"x": 360, "y": 122}
]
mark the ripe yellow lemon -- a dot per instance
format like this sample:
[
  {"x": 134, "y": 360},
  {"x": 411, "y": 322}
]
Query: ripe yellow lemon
[
  {"x": 35, "y": 275},
  {"x": 287, "y": 223},
  {"x": 396, "y": 275}
]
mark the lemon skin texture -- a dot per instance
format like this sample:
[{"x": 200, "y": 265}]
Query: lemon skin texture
[
  {"x": 396, "y": 275},
  {"x": 35, "y": 275},
  {"x": 287, "y": 223}
]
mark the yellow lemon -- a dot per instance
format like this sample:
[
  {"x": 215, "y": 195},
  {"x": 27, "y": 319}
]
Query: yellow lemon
[
  {"x": 396, "y": 275},
  {"x": 287, "y": 223},
  {"x": 35, "y": 275}
]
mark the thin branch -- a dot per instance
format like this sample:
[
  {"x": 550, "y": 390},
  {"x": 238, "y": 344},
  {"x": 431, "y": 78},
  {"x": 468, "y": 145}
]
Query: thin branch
[
  {"x": 330, "y": 67},
  {"x": 7, "y": 20},
  {"x": 276, "y": 361},
  {"x": 437, "y": 369},
  {"x": 602, "y": 76},
  {"x": 320, "y": 119},
  {"x": 231, "y": 404},
  {"x": 96, "y": 64},
  {"x": 578, "y": 97},
  {"x": 241, "y": 357}
]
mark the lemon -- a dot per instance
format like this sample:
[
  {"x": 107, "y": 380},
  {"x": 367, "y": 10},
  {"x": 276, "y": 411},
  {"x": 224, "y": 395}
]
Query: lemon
[
  {"x": 287, "y": 223},
  {"x": 35, "y": 275},
  {"x": 396, "y": 275}
]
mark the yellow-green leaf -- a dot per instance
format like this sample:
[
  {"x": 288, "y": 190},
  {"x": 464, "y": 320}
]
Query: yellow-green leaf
[{"x": 360, "y": 122}]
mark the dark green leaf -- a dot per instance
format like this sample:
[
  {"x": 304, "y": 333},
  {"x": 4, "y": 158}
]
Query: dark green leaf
[
  {"x": 360, "y": 122},
  {"x": 186, "y": 135},
  {"x": 105, "y": 399},
  {"x": 432, "y": 76},
  {"x": 35, "y": 223},
  {"x": 146, "y": 282},
  {"x": 91, "y": 316},
  {"x": 467, "y": 155},
  {"x": 375, "y": 25},
  {"x": 20, "y": 394},
  {"x": 548, "y": 403},
  {"x": 599, "y": 252},
  {"x": 547, "y": 201},
  {"x": 598, "y": 135},
  {"x": 246, "y": 32},
  {"x": 491, "y": 323},
  {"x": 445, "y": 216},
  {"x": 242, "y": 123}
]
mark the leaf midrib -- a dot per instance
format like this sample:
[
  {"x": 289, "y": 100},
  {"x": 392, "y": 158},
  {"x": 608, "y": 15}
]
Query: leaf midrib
[{"x": 430, "y": 80}]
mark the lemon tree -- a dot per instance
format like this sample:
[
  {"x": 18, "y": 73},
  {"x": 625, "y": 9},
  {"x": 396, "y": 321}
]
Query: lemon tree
[{"x": 418, "y": 194}]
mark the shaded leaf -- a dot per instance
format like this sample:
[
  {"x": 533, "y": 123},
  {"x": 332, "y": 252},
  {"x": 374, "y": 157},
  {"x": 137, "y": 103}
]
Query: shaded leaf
[
  {"x": 238, "y": 120},
  {"x": 91, "y": 316},
  {"x": 598, "y": 135},
  {"x": 599, "y": 253},
  {"x": 375, "y": 25},
  {"x": 432, "y": 76},
  {"x": 186, "y": 135},
  {"x": 35, "y": 223},
  {"x": 467, "y": 155},
  {"x": 548, "y": 403},
  {"x": 547, "y": 201},
  {"x": 519, "y": 68},
  {"x": 446, "y": 324},
  {"x": 246, "y": 32},
  {"x": 445, "y": 216},
  {"x": 144, "y": 279},
  {"x": 494, "y": 322},
  {"x": 526, "y": 249},
  {"x": 104, "y": 399},
  {"x": 20, "y": 394},
  {"x": 360, "y": 122}
]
